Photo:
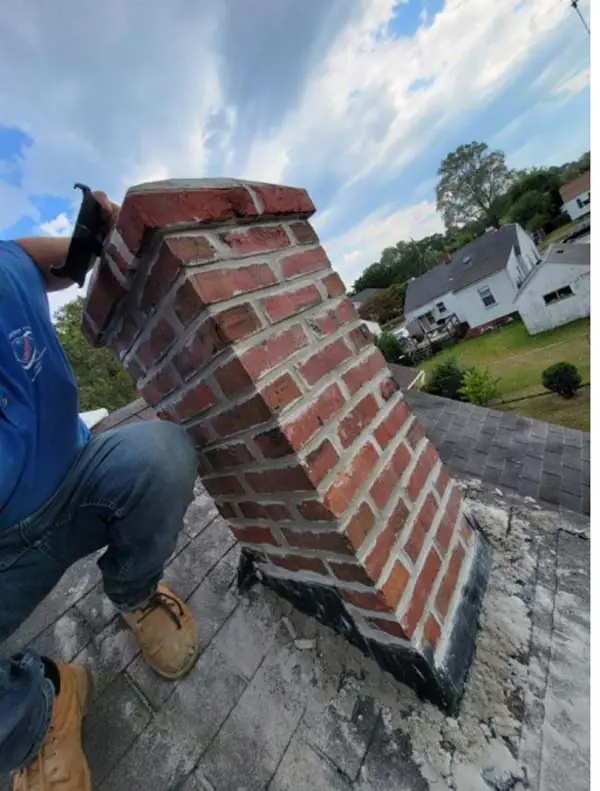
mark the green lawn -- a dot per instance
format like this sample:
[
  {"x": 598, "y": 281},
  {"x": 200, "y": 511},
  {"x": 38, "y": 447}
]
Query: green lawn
[{"x": 519, "y": 359}]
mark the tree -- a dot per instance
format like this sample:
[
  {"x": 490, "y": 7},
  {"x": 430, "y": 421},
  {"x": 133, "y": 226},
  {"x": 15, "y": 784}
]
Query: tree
[
  {"x": 102, "y": 380},
  {"x": 389, "y": 346},
  {"x": 472, "y": 183},
  {"x": 385, "y": 306}
]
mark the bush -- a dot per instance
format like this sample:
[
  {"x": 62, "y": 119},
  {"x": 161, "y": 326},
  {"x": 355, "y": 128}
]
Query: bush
[
  {"x": 446, "y": 380},
  {"x": 479, "y": 386},
  {"x": 562, "y": 378},
  {"x": 389, "y": 346}
]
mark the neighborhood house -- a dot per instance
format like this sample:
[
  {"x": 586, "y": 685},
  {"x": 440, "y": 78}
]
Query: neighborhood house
[
  {"x": 476, "y": 284},
  {"x": 576, "y": 196}
]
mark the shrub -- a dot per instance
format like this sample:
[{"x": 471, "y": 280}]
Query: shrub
[
  {"x": 389, "y": 346},
  {"x": 446, "y": 380},
  {"x": 562, "y": 378},
  {"x": 479, "y": 386}
]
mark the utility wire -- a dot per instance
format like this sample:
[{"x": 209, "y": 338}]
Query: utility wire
[{"x": 575, "y": 5}]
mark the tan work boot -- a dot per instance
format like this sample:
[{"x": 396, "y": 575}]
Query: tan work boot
[
  {"x": 61, "y": 764},
  {"x": 166, "y": 633}
]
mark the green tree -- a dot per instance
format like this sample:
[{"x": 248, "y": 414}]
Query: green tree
[
  {"x": 389, "y": 346},
  {"x": 102, "y": 381},
  {"x": 385, "y": 306},
  {"x": 471, "y": 186}
]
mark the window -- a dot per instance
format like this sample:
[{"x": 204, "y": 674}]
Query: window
[
  {"x": 441, "y": 307},
  {"x": 556, "y": 296},
  {"x": 430, "y": 317},
  {"x": 486, "y": 297}
]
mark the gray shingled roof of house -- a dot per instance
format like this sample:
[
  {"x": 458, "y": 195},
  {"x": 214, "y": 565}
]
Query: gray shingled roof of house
[
  {"x": 487, "y": 255},
  {"x": 365, "y": 294}
]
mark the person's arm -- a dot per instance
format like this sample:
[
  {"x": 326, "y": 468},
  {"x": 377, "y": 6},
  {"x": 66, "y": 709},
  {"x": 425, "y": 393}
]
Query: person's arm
[{"x": 50, "y": 252}]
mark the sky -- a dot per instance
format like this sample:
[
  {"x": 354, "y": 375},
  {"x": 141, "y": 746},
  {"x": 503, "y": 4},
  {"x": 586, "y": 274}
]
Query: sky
[{"x": 356, "y": 100}]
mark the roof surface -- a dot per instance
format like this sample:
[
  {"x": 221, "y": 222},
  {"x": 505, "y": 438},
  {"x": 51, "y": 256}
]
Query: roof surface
[
  {"x": 366, "y": 294},
  {"x": 481, "y": 258},
  {"x": 574, "y": 188},
  {"x": 278, "y": 702},
  {"x": 557, "y": 254}
]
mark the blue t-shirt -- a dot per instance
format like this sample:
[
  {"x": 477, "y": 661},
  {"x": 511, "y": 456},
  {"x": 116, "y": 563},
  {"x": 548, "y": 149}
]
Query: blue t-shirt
[{"x": 40, "y": 430}]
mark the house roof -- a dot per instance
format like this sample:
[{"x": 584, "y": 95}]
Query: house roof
[
  {"x": 365, "y": 294},
  {"x": 574, "y": 188},
  {"x": 480, "y": 258},
  {"x": 557, "y": 255}
]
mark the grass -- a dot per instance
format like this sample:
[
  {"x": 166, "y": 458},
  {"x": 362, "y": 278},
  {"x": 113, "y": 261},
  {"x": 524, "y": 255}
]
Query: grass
[
  {"x": 558, "y": 234},
  {"x": 518, "y": 359}
]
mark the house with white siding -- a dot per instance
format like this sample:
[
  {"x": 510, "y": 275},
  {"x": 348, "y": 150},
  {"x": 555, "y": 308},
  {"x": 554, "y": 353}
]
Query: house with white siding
[
  {"x": 576, "y": 196},
  {"x": 477, "y": 284},
  {"x": 558, "y": 290}
]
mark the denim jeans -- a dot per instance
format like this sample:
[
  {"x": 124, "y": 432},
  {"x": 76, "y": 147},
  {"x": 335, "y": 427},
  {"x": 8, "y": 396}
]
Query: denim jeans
[{"x": 127, "y": 491}]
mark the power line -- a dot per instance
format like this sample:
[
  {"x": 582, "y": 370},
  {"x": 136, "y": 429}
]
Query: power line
[{"x": 575, "y": 5}]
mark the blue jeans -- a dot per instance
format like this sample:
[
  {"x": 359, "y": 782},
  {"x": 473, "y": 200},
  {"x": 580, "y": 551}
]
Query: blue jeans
[{"x": 127, "y": 491}]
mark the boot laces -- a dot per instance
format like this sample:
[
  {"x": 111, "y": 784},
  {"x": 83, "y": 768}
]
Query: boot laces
[{"x": 163, "y": 601}]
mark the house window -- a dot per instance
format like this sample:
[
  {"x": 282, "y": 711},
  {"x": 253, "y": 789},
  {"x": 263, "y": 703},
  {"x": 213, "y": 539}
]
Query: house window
[
  {"x": 556, "y": 296},
  {"x": 486, "y": 297},
  {"x": 429, "y": 317},
  {"x": 441, "y": 307}
]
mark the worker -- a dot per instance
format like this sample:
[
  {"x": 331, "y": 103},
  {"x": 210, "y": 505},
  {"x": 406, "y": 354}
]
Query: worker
[{"x": 63, "y": 496}]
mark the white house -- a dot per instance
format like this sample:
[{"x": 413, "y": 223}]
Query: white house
[
  {"x": 477, "y": 284},
  {"x": 558, "y": 290},
  {"x": 576, "y": 196}
]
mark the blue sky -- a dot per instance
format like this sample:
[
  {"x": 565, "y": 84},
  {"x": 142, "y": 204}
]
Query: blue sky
[{"x": 356, "y": 100}]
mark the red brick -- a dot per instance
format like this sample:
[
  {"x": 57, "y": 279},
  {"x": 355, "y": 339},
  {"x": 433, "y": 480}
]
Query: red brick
[
  {"x": 195, "y": 401},
  {"x": 125, "y": 338},
  {"x": 288, "y": 479},
  {"x": 273, "y": 351},
  {"x": 324, "y": 540},
  {"x": 357, "y": 420},
  {"x": 104, "y": 298},
  {"x": 466, "y": 532},
  {"x": 423, "y": 587},
  {"x": 396, "y": 584},
  {"x": 303, "y": 263},
  {"x": 159, "y": 386},
  {"x": 334, "y": 285},
  {"x": 420, "y": 528},
  {"x": 315, "y": 511},
  {"x": 173, "y": 255},
  {"x": 350, "y": 572},
  {"x": 360, "y": 337},
  {"x": 334, "y": 318},
  {"x": 200, "y": 434},
  {"x": 297, "y": 563},
  {"x": 238, "y": 418},
  {"x": 282, "y": 306},
  {"x": 392, "y": 425},
  {"x": 273, "y": 444},
  {"x": 386, "y": 540},
  {"x": 366, "y": 601},
  {"x": 163, "y": 208},
  {"x": 229, "y": 456},
  {"x": 415, "y": 434},
  {"x": 432, "y": 632},
  {"x": 442, "y": 481},
  {"x": 279, "y": 200},
  {"x": 390, "y": 475},
  {"x": 236, "y": 323},
  {"x": 359, "y": 527},
  {"x": 187, "y": 304},
  {"x": 387, "y": 388},
  {"x": 134, "y": 369},
  {"x": 391, "y": 627},
  {"x": 318, "y": 414},
  {"x": 225, "y": 484},
  {"x": 280, "y": 393},
  {"x": 304, "y": 233},
  {"x": 220, "y": 284},
  {"x": 325, "y": 361},
  {"x": 227, "y": 510},
  {"x": 425, "y": 464},
  {"x": 365, "y": 372},
  {"x": 321, "y": 461},
  {"x": 258, "y": 239},
  {"x": 254, "y": 535},
  {"x": 450, "y": 581},
  {"x": 342, "y": 491},
  {"x": 161, "y": 337},
  {"x": 274, "y": 511},
  {"x": 199, "y": 350},
  {"x": 448, "y": 521},
  {"x": 233, "y": 378}
]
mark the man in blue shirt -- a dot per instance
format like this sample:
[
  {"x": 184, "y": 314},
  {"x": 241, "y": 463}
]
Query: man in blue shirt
[{"x": 65, "y": 495}]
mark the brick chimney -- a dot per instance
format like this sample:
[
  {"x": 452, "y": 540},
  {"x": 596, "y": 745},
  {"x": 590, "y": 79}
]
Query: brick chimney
[{"x": 222, "y": 305}]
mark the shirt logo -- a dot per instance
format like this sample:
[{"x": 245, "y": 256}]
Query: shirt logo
[{"x": 26, "y": 351}]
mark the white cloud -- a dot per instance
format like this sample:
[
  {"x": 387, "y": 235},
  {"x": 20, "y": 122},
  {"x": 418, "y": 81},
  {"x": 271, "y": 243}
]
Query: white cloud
[
  {"x": 354, "y": 250},
  {"x": 61, "y": 225},
  {"x": 14, "y": 205},
  {"x": 574, "y": 83}
]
